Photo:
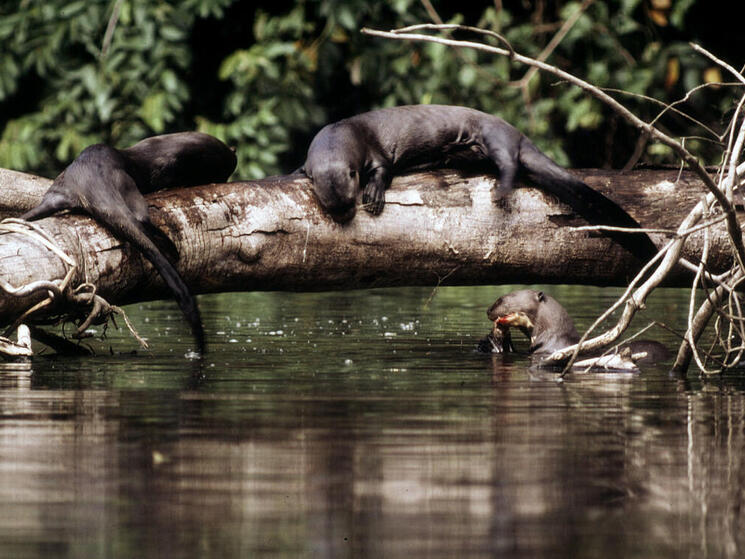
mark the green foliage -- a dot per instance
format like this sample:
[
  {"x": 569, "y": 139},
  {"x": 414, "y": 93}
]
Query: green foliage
[
  {"x": 76, "y": 73},
  {"x": 271, "y": 92},
  {"x": 90, "y": 90}
]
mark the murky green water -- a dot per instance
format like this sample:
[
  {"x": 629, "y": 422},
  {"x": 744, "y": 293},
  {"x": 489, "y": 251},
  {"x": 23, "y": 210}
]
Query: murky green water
[{"x": 363, "y": 424}]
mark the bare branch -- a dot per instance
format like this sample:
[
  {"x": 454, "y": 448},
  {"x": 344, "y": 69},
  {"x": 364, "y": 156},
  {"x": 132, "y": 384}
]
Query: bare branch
[{"x": 554, "y": 42}]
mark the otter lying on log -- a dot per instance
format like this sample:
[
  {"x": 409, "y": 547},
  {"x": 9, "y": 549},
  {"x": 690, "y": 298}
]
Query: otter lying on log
[
  {"x": 548, "y": 326},
  {"x": 366, "y": 150},
  {"x": 108, "y": 184}
]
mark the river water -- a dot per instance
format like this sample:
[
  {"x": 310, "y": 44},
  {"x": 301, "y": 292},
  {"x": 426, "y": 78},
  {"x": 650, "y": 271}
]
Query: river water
[{"x": 364, "y": 424}]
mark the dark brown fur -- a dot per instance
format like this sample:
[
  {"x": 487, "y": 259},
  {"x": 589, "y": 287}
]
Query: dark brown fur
[
  {"x": 108, "y": 184},
  {"x": 548, "y": 325},
  {"x": 365, "y": 152}
]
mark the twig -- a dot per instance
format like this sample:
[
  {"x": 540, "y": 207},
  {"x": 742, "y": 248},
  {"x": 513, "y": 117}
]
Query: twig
[
  {"x": 110, "y": 27},
  {"x": 553, "y": 43},
  {"x": 456, "y": 27},
  {"x": 701, "y": 50},
  {"x": 431, "y": 12},
  {"x": 436, "y": 288}
]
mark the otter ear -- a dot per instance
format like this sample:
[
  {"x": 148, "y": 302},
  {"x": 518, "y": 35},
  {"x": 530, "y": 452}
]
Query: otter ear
[{"x": 541, "y": 296}]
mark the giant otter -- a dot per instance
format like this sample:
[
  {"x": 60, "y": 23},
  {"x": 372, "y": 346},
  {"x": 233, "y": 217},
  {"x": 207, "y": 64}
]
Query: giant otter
[
  {"x": 548, "y": 326},
  {"x": 108, "y": 184},
  {"x": 366, "y": 150}
]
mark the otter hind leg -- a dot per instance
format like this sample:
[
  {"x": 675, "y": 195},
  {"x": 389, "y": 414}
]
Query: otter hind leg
[
  {"x": 504, "y": 151},
  {"x": 135, "y": 202},
  {"x": 124, "y": 212}
]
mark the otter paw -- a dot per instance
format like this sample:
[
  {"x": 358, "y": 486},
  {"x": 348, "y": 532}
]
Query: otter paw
[
  {"x": 373, "y": 200},
  {"x": 497, "y": 193},
  {"x": 500, "y": 199},
  {"x": 490, "y": 344},
  {"x": 375, "y": 208}
]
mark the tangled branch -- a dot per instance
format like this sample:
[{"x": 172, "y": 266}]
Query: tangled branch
[{"x": 81, "y": 300}]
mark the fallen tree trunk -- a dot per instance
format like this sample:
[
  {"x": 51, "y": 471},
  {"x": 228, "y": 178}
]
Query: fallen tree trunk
[
  {"x": 19, "y": 192},
  {"x": 272, "y": 235}
]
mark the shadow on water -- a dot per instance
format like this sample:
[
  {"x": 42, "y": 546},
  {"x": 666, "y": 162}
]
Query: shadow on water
[{"x": 363, "y": 424}]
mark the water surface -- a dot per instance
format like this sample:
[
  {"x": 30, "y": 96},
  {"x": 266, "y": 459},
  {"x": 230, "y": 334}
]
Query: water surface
[{"x": 363, "y": 424}]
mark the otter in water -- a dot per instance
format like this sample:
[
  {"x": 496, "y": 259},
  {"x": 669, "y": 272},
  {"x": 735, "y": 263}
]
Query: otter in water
[
  {"x": 548, "y": 326},
  {"x": 366, "y": 150},
  {"x": 108, "y": 184}
]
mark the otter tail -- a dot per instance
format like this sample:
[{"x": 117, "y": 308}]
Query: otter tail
[
  {"x": 129, "y": 229},
  {"x": 589, "y": 203}
]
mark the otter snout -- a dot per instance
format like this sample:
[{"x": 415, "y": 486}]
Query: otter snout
[{"x": 343, "y": 216}]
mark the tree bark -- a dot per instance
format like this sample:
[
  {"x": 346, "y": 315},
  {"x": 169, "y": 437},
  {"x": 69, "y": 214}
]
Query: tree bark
[
  {"x": 437, "y": 227},
  {"x": 19, "y": 192}
]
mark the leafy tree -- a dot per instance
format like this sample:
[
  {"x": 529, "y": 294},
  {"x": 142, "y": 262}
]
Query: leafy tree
[{"x": 265, "y": 79}]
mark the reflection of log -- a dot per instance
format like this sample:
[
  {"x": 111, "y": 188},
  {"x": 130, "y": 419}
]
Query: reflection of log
[{"x": 272, "y": 235}]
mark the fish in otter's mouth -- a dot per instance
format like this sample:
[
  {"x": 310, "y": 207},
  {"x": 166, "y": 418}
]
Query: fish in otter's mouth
[{"x": 515, "y": 319}]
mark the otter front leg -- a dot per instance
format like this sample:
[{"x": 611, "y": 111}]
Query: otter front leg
[
  {"x": 503, "y": 148},
  {"x": 507, "y": 172},
  {"x": 373, "y": 195}
]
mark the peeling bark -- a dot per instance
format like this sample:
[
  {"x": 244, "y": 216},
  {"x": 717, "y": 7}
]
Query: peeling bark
[{"x": 273, "y": 235}]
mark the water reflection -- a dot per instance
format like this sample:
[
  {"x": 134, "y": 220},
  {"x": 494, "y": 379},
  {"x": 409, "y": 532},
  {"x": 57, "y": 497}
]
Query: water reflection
[{"x": 362, "y": 434}]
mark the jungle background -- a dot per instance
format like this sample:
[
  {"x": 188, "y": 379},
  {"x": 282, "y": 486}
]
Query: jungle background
[{"x": 266, "y": 76}]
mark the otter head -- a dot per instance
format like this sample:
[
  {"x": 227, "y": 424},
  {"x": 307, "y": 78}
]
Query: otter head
[
  {"x": 518, "y": 309},
  {"x": 336, "y": 185},
  {"x": 537, "y": 315},
  {"x": 335, "y": 158}
]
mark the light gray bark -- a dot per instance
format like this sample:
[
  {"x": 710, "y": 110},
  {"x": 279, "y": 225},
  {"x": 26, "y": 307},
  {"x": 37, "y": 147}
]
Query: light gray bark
[
  {"x": 19, "y": 192},
  {"x": 273, "y": 235}
]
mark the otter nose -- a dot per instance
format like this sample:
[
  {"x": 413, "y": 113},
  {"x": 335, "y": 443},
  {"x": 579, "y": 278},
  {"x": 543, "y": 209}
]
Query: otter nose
[{"x": 343, "y": 216}]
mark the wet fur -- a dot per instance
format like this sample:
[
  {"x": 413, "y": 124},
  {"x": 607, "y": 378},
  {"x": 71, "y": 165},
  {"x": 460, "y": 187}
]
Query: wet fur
[
  {"x": 108, "y": 184},
  {"x": 366, "y": 150},
  {"x": 551, "y": 326}
]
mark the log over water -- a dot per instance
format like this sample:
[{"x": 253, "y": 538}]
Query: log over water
[{"x": 437, "y": 227}]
